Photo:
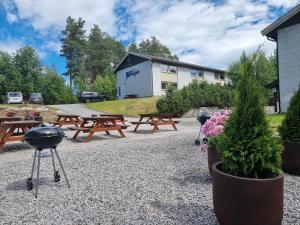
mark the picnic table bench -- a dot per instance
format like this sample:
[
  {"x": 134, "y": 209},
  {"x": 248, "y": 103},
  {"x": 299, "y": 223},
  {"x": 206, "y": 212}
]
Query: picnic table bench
[
  {"x": 156, "y": 120},
  {"x": 7, "y": 119},
  {"x": 67, "y": 119},
  {"x": 9, "y": 131},
  {"x": 95, "y": 124}
]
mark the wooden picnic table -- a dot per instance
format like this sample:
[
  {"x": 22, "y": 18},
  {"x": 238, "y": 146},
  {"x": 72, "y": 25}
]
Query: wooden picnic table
[
  {"x": 119, "y": 117},
  {"x": 67, "y": 119},
  {"x": 9, "y": 131},
  {"x": 156, "y": 120},
  {"x": 95, "y": 124},
  {"x": 13, "y": 118}
]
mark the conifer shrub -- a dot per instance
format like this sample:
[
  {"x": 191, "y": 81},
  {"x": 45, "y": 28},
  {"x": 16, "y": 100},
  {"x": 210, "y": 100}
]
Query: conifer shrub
[
  {"x": 247, "y": 147},
  {"x": 290, "y": 127}
]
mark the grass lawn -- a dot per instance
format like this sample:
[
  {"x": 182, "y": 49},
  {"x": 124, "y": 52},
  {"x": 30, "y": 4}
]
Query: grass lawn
[
  {"x": 275, "y": 121},
  {"x": 129, "y": 107}
]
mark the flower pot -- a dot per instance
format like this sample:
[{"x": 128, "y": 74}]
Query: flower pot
[
  {"x": 291, "y": 158},
  {"x": 212, "y": 157},
  {"x": 246, "y": 201}
]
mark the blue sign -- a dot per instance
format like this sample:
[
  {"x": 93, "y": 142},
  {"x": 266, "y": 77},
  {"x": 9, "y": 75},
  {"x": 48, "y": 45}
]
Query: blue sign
[{"x": 132, "y": 72}]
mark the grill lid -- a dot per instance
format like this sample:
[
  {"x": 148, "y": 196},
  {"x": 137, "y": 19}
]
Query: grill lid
[{"x": 39, "y": 132}]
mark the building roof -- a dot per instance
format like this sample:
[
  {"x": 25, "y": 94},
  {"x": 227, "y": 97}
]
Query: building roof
[
  {"x": 292, "y": 17},
  {"x": 169, "y": 62}
]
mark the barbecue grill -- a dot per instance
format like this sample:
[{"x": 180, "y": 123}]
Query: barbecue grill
[
  {"x": 202, "y": 118},
  {"x": 42, "y": 138}
]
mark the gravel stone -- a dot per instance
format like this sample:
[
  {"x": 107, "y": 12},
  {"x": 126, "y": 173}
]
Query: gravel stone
[{"x": 159, "y": 178}]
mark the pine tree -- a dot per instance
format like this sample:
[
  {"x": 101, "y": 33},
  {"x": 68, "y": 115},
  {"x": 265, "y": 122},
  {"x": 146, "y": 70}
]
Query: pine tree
[
  {"x": 290, "y": 127},
  {"x": 73, "y": 45},
  {"x": 247, "y": 147}
]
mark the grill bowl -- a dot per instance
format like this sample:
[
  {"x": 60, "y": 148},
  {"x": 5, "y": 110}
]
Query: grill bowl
[{"x": 44, "y": 137}]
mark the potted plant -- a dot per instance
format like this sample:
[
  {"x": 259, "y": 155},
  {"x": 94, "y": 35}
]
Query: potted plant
[
  {"x": 248, "y": 183},
  {"x": 212, "y": 128},
  {"x": 290, "y": 133}
]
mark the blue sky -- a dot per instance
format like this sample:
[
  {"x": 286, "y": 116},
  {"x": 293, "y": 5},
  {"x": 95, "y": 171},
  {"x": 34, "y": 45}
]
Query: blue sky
[{"x": 209, "y": 33}]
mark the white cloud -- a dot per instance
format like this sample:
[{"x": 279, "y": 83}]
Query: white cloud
[
  {"x": 50, "y": 15},
  {"x": 10, "y": 46},
  {"x": 11, "y": 18},
  {"x": 217, "y": 34}
]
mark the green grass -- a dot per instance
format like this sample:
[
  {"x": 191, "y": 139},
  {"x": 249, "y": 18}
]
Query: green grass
[
  {"x": 275, "y": 121},
  {"x": 129, "y": 107}
]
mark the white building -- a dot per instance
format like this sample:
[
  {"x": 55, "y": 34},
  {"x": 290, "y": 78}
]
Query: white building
[
  {"x": 142, "y": 75},
  {"x": 286, "y": 33}
]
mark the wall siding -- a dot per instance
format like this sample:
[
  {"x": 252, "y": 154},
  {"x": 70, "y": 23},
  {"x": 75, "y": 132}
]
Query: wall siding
[{"x": 289, "y": 63}]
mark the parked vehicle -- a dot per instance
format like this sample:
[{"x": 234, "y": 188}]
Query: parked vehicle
[
  {"x": 91, "y": 97},
  {"x": 14, "y": 98},
  {"x": 36, "y": 98}
]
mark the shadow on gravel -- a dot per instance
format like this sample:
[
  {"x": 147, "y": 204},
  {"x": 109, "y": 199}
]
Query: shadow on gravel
[
  {"x": 187, "y": 214},
  {"x": 82, "y": 139},
  {"x": 13, "y": 147},
  {"x": 149, "y": 131},
  {"x": 192, "y": 176},
  {"x": 21, "y": 185}
]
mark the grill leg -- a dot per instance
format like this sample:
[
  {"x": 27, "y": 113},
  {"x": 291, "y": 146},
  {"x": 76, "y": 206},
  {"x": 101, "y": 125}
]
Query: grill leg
[
  {"x": 33, "y": 164},
  {"x": 53, "y": 162},
  {"x": 62, "y": 168},
  {"x": 38, "y": 174}
]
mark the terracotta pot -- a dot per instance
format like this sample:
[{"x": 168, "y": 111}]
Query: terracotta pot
[
  {"x": 212, "y": 157},
  {"x": 291, "y": 158},
  {"x": 246, "y": 201}
]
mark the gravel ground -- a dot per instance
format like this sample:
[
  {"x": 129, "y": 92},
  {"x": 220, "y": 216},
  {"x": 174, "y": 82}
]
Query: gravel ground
[
  {"x": 79, "y": 109},
  {"x": 159, "y": 178}
]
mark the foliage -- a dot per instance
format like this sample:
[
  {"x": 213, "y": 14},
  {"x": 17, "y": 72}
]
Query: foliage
[
  {"x": 152, "y": 46},
  {"x": 196, "y": 94},
  {"x": 247, "y": 147},
  {"x": 73, "y": 45},
  {"x": 106, "y": 85},
  {"x": 28, "y": 64},
  {"x": 54, "y": 90},
  {"x": 173, "y": 102},
  {"x": 290, "y": 127},
  {"x": 265, "y": 66},
  {"x": 131, "y": 107}
]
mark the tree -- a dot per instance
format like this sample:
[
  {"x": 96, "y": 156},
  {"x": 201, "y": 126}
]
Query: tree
[
  {"x": 153, "y": 47},
  {"x": 73, "y": 45},
  {"x": 53, "y": 88},
  {"x": 106, "y": 85},
  {"x": 247, "y": 146},
  {"x": 27, "y": 62},
  {"x": 266, "y": 67}
]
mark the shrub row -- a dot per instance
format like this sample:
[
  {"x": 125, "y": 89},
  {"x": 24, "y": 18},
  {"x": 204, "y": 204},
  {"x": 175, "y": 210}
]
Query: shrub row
[{"x": 195, "y": 95}]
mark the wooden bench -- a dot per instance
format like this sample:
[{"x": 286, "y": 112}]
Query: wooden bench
[
  {"x": 67, "y": 119},
  {"x": 99, "y": 124},
  {"x": 8, "y": 130},
  {"x": 156, "y": 120}
]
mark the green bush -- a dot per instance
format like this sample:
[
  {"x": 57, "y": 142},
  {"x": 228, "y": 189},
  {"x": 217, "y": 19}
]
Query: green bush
[
  {"x": 290, "y": 127},
  {"x": 173, "y": 102},
  {"x": 247, "y": 147},
  {"x": 195, "y": 95},
  {"x": 106, "y": 85}
]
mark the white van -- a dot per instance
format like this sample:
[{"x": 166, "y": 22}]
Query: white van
[{"x": 14, "y": 98}]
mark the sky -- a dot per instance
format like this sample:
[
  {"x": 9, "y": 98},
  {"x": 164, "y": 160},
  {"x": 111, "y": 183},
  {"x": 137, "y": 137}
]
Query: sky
[{"x": 210, "y": 33}]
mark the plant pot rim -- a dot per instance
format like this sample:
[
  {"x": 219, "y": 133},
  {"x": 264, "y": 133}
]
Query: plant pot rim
[{"x": 215, "y": 165}]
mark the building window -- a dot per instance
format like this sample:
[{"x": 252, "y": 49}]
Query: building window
[
  {"x": 163, "y": 68},
  {"x": 172, "y": 69},
  {"x": 164, "y": 85},
  {"x": 219, "y": 76},
  {"x": 168, "y": 69},
  {"x": 197, "y": 73},
  {"x": 119, "y": 91}
]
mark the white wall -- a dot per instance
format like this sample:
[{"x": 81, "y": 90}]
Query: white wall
[
  {"x": 289, "y": 63},
  {"x": 139, "y": 84},
  {"x": 184, "y": 77},
  {"x": 156, "y": 79}
]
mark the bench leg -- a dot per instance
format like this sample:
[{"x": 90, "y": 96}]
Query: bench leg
[
  {"x": 121, "y": 132},
  {"x": 89, "y": 137},
  {"x": 2, "y": 144},
  {"x": 154, "y": 128},
  {"x": 175, "y": 128},
  {"x": 76, "y": 134},
  {"x": 107, "y": 132}
]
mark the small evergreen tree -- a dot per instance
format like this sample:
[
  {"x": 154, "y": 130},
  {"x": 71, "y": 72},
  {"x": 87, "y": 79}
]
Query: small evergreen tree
[
  {"x": 247, "y": 147},
  {"x": 290, "y": 127}
]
